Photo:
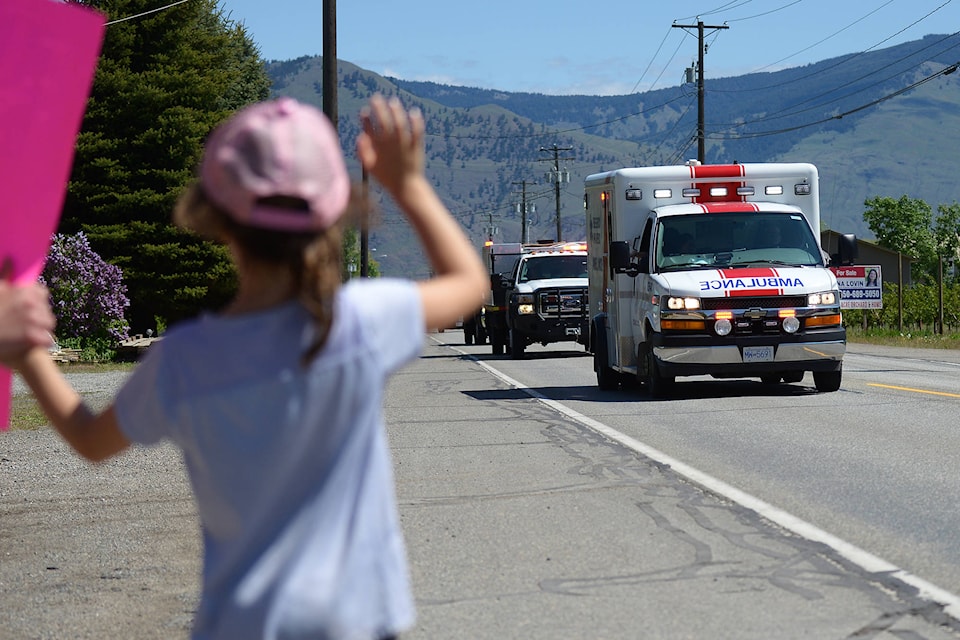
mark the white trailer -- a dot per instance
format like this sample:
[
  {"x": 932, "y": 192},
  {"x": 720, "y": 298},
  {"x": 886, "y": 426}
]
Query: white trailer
[{"x": 711, "y": 270}]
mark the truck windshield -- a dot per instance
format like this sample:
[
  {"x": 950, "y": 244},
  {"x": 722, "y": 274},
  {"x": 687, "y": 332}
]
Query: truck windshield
[
  {"x": 553, "y": 266},
  {"x": 735, "y": 239}
]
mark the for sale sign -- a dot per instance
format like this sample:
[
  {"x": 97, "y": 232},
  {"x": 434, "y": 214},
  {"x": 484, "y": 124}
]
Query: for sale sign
[{"x": 860, "y": 286}]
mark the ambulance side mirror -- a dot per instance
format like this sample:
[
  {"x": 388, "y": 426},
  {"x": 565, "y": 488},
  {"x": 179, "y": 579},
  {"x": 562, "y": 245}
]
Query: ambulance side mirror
[{"x": 620, "y": 259}]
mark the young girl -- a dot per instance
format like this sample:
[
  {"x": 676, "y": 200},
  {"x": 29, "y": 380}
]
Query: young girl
[{"x": 276, "y": 400}]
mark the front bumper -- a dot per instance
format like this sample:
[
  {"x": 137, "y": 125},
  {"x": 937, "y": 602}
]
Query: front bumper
[
  {"x": 705, "y": 355},
  {"x": 538, "y": 329},
  {"x": 558, "y": 314}
]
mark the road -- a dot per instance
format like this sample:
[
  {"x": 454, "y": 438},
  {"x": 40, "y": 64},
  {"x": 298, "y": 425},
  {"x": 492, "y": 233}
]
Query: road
[
  {"x": 535, "y": 506},
  {"x": 839, "y": 468},
  {"x": 874, "y": 463}
]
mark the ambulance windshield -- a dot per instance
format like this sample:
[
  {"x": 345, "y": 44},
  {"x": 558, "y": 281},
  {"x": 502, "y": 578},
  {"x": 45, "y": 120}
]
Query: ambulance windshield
[{"x": 735, "y": 239}]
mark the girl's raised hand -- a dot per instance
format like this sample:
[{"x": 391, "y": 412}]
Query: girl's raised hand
[{"x": 391, "y": 145}]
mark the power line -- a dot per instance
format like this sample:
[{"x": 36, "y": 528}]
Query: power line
[
  {"x": 784, "y": 113},
  {"x": 843, "y": 60},
  {"x": 943, "y": 72},
  {"x": 140, "y": 15},
  {"x": 819, "y": 42}
]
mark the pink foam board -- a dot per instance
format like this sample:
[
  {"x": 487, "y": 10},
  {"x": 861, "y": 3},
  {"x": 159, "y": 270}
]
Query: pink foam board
[{"x": 48, "y": 55}]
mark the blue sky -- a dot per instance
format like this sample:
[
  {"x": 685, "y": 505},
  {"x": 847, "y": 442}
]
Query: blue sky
[{"x": 565, "y": 47}]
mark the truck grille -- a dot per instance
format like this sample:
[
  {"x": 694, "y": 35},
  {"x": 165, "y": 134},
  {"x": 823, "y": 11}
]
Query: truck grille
[
  {"x": 562, "y": 303},
  {"x": 749, "y": 302}
]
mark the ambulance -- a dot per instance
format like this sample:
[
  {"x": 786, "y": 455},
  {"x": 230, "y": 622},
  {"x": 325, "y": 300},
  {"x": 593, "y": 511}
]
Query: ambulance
[{"x": 712, "y": 270}]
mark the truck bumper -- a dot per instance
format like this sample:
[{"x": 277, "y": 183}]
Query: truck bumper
[
  {"x": 696, "y": 355},
  {"x": 536, "y": 329}
]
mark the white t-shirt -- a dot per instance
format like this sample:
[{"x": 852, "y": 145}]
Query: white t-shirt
[{"x": 289, "y": 465}]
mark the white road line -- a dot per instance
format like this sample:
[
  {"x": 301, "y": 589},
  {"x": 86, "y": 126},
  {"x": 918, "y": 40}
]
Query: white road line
[{"x": 802, "y": 528}]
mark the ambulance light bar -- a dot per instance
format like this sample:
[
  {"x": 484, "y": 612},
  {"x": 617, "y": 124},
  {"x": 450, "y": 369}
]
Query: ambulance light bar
[{"x": 801, "y": 189}]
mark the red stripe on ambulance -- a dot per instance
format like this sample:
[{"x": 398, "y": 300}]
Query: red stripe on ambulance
[
  {"x": 723, "y": 207},
  {"x": 747, "y": 280},
  {"x": 712, "y": 172}
]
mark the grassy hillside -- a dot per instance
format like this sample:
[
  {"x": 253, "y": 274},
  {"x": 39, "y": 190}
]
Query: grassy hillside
[
  {"x": 485, "y": 147},
  {"x": 905, "y": 146}
]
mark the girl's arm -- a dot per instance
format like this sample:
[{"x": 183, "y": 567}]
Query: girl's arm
[
  {"x": 95, "y": 437},
  {"x": 391, "y": 149}
]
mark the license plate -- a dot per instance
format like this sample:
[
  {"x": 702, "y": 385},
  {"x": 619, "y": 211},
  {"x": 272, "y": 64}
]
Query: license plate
[
  {"x": 573, "y": 331},
  {"x": 758, "y": 354}
]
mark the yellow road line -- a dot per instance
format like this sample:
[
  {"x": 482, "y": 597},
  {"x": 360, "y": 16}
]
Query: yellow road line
[{"x": 933, "y": 393}]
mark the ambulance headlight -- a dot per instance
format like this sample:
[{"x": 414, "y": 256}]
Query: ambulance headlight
[
  {"x": 825, "y": 297},
  {"x": 679, "y": 304}
]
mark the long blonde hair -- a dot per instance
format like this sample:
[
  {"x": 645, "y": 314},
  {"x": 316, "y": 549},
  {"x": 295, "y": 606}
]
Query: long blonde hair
[{"x": 313, "y": 258}]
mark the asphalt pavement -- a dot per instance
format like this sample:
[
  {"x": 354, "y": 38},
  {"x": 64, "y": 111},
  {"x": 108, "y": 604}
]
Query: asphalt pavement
[{"x": 522, "y": 522}]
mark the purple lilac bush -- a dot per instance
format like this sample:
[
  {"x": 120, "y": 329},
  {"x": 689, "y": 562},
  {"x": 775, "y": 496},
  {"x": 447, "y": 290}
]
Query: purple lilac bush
[{"x": 87, "y": 293}]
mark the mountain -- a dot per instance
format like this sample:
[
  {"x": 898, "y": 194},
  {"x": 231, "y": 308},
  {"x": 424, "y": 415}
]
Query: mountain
[{"x": 876, "y": 123}]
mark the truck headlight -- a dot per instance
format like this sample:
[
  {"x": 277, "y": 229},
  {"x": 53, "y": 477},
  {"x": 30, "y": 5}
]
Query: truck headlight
[
  {"x": 676, "y": 304},
  {"x": 524, "y": 302},
  {"x": 824, "y": 297}
]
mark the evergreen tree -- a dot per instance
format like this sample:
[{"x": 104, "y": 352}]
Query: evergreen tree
[{"x": 163, "y": 81}]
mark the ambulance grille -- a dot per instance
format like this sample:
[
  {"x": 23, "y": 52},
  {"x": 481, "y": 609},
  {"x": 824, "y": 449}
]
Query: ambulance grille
[{"x": 751, "y": 302}]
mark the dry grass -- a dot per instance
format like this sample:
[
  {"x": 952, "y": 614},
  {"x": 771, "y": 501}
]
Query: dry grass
[
  {"x": 907, "y": 339},
  {"x": 25, "y": 413}
]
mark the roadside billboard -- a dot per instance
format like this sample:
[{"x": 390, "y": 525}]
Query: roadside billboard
[{"x": 861, "y": 286}]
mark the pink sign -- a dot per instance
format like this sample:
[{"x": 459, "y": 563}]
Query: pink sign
[{"x": 48, "y": 55}]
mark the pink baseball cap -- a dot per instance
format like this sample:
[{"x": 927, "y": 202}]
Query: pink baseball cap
[{"x": 277, "y": 148}]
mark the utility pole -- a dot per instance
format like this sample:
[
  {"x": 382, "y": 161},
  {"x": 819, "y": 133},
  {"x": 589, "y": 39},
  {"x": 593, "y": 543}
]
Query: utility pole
[
  {"x": 330, "y": 81},
  {"x": 556, "y": 177},
  {"x": 491, "y": 229},
  {"x": 701, "y": 147},
  {"x": 328, "y": 71},
  {"x": 523, "y": 211}
]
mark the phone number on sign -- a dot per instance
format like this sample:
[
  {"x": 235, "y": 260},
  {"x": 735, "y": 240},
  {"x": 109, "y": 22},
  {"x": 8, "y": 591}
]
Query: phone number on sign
[{"x": 860, "y": 294}]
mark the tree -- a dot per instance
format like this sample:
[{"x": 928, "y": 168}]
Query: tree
[
  {"x": 163, "y": 81},
  {"x": 904, "y": 225},
  {"x": 351, "y": 256},
  {"x": 946, "y": 232}
]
